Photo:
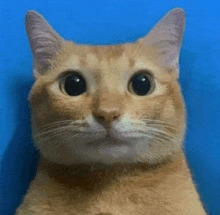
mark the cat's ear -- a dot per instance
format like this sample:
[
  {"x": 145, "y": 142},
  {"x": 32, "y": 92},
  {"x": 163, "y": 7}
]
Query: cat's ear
[
  {"x": 165, "y": 38},
  {"x": 44, "y": 41}
]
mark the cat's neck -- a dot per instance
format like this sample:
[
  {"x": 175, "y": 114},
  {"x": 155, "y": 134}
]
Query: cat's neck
[{"x": 91, "y": 177}]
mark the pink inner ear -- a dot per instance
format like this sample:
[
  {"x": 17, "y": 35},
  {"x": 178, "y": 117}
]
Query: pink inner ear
[
  {"x": 44, "y": 41},
  {"x": 165, "y": 38}
]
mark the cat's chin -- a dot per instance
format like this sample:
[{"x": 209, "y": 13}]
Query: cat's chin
[
  {"x": 106, "y": 150},
  {"x": 110, "y": 150}
]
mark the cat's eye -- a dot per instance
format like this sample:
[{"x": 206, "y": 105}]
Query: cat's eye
[
  {"x": 73, "y": 84},
  {"x": 141, "y": 84}
]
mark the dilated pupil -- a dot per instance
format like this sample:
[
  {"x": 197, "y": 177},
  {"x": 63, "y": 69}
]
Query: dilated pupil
[
  {"x": 141, "y": 84},
  {"x": 75, "y": 85}
]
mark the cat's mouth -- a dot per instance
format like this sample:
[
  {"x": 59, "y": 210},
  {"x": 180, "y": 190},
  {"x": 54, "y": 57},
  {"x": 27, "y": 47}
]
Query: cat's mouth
[
  {"x": 108, "y": 140},
  {"x": 114, "y": 137}
]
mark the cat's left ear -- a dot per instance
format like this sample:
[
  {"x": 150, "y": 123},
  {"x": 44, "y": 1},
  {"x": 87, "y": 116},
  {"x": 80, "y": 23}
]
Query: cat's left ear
[
  {"x": 165, "y": 38},
  {"x": 44, "y": 41}
]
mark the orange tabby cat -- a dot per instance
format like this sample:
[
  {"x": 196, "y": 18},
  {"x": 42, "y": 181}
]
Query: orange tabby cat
[{"x": 109, "y": 123}]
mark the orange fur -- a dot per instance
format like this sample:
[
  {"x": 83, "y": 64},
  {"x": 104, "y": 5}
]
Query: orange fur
[
  {"x": 137, "y": 189},
  {"x": 69, "y": 180}
]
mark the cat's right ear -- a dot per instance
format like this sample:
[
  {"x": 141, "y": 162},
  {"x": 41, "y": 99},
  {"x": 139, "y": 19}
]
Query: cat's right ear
[{"x": 44, "y": 42}]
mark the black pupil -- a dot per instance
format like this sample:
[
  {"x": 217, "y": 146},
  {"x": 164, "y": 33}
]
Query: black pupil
[
  {"x": 141, "y": 84},
  {"x": 75, "y": 84}
]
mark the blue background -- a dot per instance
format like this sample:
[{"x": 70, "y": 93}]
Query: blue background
[{"x": 110, "y": 22}]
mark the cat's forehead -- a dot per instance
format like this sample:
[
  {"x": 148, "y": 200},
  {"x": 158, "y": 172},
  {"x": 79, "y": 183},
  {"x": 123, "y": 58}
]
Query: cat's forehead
[
  {"x": 101, "y": 57},
  {"x": 107, "y": 60}
]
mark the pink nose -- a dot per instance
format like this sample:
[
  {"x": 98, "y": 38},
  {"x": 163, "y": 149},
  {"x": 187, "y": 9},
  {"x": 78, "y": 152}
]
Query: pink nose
[{"x": 107, "y": 116}]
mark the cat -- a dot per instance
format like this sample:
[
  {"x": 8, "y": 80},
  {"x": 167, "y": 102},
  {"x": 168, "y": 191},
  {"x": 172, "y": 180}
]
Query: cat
[{"x": 109, "y": 122}]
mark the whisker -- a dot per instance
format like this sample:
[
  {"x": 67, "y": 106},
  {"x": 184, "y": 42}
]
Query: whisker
[
  {"x": 55, "y": 123},
  {"x": 156, "y": 120},
  {"x": 157, "y": 124},
  {"x": 50, "y": 136},
  {"x": 53, "y": 137},
  {"x": 38, "y": 134},
  {"x": 153, "y": 138},
  {"x": 162, "y": 122},
  {"x": 165, "y": 126},
  {"x": 164, "y": 138},
  {"x": 137, "y": 50},
  {"x": 81, "y": 123},
  {"x": 158, "y": 133},
  {"x": 66, "y": 127},
  {"x": 161, "y": 133},
  {"x": 156, "y": 129},
  {"x": 149, "y": 135},
  {"x": 159, "y": 138}
]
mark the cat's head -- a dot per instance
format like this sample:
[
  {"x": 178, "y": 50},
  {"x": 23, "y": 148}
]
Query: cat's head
[{"x": 107, "y": 104}]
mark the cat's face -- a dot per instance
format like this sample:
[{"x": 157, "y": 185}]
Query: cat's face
[{"x": 107, "y": 104}]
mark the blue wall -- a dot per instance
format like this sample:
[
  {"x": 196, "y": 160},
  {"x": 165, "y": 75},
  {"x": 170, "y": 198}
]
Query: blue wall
[{"x": 107, "y": 22}]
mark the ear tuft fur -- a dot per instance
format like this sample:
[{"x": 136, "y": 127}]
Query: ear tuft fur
[
  {"x": 44, "y": 41},
  {"x": 166, "y": 37}
]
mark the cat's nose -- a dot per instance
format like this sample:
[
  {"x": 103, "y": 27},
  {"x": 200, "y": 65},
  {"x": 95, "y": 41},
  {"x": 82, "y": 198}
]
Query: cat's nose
[{"x": 106, "y": 116}]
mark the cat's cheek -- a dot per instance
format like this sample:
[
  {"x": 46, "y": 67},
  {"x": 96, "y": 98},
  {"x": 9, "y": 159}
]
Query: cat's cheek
[
  {"x": 40, "y": 114},
  {"x": 71, "y": 108}
]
